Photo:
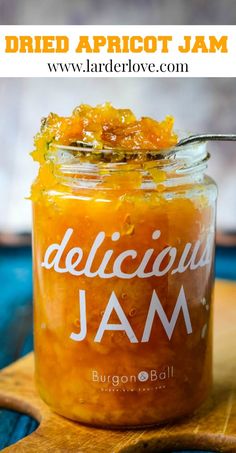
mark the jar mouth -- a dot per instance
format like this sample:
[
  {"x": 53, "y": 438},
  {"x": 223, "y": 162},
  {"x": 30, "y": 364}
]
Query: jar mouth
[{"x": 185, "y": 156}]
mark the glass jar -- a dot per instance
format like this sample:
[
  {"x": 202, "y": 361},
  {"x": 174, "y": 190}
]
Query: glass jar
[{"x": 123, "y": 275}]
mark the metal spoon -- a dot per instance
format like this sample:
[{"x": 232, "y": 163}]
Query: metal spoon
[
  {"x": 83, "y": 147},
  {"x": 205, "y": 138},
  {"x": 184, "y": 141}
]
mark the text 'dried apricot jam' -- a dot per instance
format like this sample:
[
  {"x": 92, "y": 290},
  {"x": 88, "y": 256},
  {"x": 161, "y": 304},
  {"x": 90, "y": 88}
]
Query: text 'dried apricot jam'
[{"x": 123, "y": 244}]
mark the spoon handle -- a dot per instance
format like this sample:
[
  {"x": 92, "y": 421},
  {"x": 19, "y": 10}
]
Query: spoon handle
[{"x": 206, "y": 138}]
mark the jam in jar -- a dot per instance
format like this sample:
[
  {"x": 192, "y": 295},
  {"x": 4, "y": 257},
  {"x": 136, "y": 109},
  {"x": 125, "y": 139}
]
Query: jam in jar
[{"x": 123, "y": 246}]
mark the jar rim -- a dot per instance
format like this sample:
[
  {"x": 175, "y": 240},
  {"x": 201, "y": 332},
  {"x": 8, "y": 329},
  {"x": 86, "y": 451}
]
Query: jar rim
[{"x": 187, "y": 156}]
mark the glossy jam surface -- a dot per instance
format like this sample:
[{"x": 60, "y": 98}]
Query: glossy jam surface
[
  {"x": 100, "y": 127},
  {"x": 104, "y": 126},
  {"x": 122, "y": 293}
]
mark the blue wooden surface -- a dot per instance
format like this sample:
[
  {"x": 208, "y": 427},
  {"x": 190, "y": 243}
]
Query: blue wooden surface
[{"x": 16, "y": 321}]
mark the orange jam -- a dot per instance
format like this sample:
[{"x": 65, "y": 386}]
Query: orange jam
[{"x": 123, "y": 244}]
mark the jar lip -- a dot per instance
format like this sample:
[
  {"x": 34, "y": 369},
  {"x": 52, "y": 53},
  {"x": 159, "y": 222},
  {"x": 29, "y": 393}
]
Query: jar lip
[{"x": 188, "y": 155}]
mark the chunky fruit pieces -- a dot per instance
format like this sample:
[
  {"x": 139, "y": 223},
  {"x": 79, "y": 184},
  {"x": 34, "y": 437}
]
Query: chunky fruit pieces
[{"x": 104, "y": 126}]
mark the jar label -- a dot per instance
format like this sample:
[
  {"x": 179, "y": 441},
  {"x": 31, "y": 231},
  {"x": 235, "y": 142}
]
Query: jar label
[
  {"x": 189, "y": 258},
  {"x": 63, "y": 259}
]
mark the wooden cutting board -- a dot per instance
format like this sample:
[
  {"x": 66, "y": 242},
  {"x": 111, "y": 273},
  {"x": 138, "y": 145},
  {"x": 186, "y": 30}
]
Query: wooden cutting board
[{"x": 212, "y": 428}]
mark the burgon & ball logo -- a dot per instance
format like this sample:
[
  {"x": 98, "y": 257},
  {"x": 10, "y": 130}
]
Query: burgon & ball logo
[{"x": 143, "y": 376}]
